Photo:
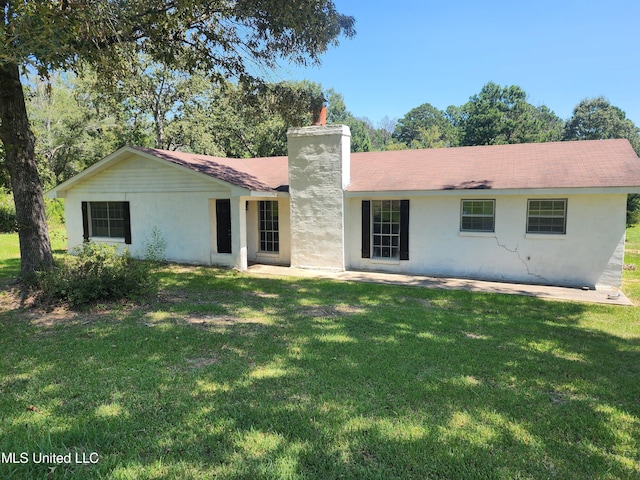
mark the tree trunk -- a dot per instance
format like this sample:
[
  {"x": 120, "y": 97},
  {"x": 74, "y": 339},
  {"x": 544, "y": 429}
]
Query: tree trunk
[{"x": 18, "y": 141}]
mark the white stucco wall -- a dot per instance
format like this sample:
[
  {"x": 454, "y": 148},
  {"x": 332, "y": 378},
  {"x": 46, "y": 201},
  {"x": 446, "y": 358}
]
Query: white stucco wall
[
  {"x": 589, "y": 254},
  {"x": 318, "y": 172},
  {"x": 174, "y": 201}
]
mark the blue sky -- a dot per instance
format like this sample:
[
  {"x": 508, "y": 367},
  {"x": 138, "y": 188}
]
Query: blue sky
[{"x": 410, "y": 52}]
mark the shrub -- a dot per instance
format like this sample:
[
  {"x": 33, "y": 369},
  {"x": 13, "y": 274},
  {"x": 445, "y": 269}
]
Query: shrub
[
  {"x": 155, "y": 247},
  {"x": 96, "y": 272},
  {"x": 7, "y": 212},
  {"x": 54, "y": 210}
]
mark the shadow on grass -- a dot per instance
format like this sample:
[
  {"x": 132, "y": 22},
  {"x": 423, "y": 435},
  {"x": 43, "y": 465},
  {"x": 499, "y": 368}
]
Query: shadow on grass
[
  {"x": 9, "y": 269},
  {"x": 318, "y": 379}
]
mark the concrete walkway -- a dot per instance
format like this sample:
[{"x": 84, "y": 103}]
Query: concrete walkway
[{"x": 609, "y": 297}]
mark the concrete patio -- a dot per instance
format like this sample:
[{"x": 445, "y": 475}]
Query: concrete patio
[{"x": 609, "y": 297}]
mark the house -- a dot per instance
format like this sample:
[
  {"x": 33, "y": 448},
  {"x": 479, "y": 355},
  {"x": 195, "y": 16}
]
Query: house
[{"x": 546, "y": 213}]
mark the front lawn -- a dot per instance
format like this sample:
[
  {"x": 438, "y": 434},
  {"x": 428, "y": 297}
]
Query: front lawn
[
  {"x": 228, "y": 376},
  {"x": 632, "y": 264}
]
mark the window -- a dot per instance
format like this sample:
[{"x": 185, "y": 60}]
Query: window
[
  {"x": 385, "y": 229},
  {"x": 106, "y": 219},
  {"x": 477, "y": 215},
  {"x": 269, "y": 236},
  {"x": 547, "y": 216}
]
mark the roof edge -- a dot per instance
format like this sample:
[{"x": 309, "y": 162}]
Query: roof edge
[
  {"x": 58, "y": 190},
  {"x": 487, "y": 192}
]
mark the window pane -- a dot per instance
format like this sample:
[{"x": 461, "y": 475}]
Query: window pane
[
  {"x": 100, "y": 228},
  {"x": 116, "y": 228},
  {"x": 115, "y": 210}
]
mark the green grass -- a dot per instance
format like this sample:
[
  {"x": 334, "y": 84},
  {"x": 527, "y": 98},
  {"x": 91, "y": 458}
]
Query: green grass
[
  {"x": 632, "y": 262},
  {"x": 228, "y": 376},
  {"x": 10, "y": 251}
]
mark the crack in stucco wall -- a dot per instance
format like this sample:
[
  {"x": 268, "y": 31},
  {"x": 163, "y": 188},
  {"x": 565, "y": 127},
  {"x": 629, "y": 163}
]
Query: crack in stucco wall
[{"x": 522, "y": 260}]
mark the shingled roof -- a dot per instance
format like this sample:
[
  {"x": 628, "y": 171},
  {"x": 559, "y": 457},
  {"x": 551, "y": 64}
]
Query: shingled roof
[
  {"x": 596, "y": 163},
  {"x": 576, "y": 164},
  {"x": 256, "y": 174}
]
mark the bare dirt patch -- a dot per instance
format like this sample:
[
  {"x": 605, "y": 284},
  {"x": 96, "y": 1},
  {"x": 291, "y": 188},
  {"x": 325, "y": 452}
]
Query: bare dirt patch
[
  {"x": 425, "y": 303},
  {"x": 265, "y": 295},
  {"x": 48, "y": 315},
  {"x": 28, "y": 308},
  {"x": 12, "y": 298},
  {"x": 202, "y": 361},
  {"x": 219, "y": 320},
  {"x": 337, "y": 311}
]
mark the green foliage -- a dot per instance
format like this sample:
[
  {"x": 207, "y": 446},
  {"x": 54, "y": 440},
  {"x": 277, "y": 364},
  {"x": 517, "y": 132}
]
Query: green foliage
[
  {"x": 95, "y": 272},
  {"x": 155, "y": 247},
  {"x": 380, "y": 135},
  {"x": 597, "y": 119},
  {"x": 7, "y": 212},
  {"x": 633, "y": 209},
  {"x": 54, "y": 209},
  {"x": 223, "y": 41},
  {"x": 338, "y": 114},
  {"x": 500, "y": 115},
  {"x": 73, "y": 126},
  {"x": 425, "y": 127}
]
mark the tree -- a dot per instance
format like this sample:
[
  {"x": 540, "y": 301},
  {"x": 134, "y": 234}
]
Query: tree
[
  {"x": 499, "y": 115},
  {"x": 253, "y": 122},
  {"x": 382, "y": 134},
  {"x": 425, "y": 127},
  {"x": 158, "y": 95},
  {"x": 236, "y": 122},
  {"x": 222, "y": 38},
  {"x": 597, "y": 119},
  {"x": 338, "y": 114},
  {"x": 71, "y": 133}
]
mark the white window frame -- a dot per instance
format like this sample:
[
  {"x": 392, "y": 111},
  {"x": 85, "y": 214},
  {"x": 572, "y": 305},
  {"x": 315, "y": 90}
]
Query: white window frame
[
  {"x": 548, "y": 215},
  {"x": 466, "y": 214},
  {"x": 385, "y": 242},
  {"x": 268, "y": 226},
  {"x": 108, "y": 219}
]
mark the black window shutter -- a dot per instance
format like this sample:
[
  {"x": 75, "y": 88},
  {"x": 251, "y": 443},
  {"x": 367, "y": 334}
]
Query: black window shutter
[
  {"x": 85, "y": 221},
  {"x": 404, "y": 229},
  {"x": 223, "y": 225},
  {"x": 366, "y": 229},
  {"x": 127, "y": 222}
]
